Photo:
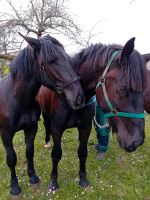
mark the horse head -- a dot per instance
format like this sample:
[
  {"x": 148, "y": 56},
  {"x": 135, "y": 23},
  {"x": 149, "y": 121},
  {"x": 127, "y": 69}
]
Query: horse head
[
  {"x": 121, "y": 95},
  {"x": 55, "y": 70}
]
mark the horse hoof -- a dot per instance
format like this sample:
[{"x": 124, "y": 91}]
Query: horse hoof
[
  {"x": 48, "y": 145},
  {"x": 35, "y": 186},
  {"x": 88, "y": 188},
  {"x": 53, "y": 190},
  {"x": 84, "y": 184},
  {"x": 35, "y": 181},
  {"x": 53, "y": 187},
  {"x": 16, "y": 196}
]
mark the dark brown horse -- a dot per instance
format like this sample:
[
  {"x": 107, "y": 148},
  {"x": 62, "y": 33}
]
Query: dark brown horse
[
  {"x": 123, "y": 89},
  {"x": 44, "y": 62},
  {"x": 147, "y": 96},
  {"x": 147, "y": 90}
]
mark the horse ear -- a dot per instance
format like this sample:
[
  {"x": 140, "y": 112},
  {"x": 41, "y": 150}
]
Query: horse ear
[
  {"x": 34, "y": 43},
  {"x": 146, "y": 57},
  {"x": 128, "y": 49}
]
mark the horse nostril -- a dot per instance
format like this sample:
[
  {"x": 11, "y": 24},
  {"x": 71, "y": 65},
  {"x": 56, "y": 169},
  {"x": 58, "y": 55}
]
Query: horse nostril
[{"x": 132, "y": 147}]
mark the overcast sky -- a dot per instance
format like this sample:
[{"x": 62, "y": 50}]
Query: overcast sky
[{"x": 120, "y": 20}]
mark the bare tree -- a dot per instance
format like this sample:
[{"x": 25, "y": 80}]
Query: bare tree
[
  {"x": 90, "y": 34},
  {"x": 35, "y": 17},
  {"x": 131, "y": 1},
  {"x": 38, "y": 17},
  {"x": 8, "y": 41}
]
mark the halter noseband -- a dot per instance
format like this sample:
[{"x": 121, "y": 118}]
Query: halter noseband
[
  {"x": 113, "y": 112},
  {"x": 43, "y": 70},
  {"x": 71, "y": 82}
]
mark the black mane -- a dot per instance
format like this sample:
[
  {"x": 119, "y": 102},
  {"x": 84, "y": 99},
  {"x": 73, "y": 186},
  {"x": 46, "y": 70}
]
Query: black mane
[
  {"x": 50, "y": 49},
  {"x": 53, "y": 40},
  {"x": 99, "y": 55},
  {"x": 22, "y": 65}
]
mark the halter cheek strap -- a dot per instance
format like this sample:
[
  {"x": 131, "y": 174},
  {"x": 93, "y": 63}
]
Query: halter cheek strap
[
  {"x": 60, "y": 90},
  {"x": 113, "y": 112}
]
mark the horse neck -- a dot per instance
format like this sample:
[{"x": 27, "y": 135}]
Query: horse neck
[
  {"x": 25, "y": 90},
  {"x": 89, "y": 79}
]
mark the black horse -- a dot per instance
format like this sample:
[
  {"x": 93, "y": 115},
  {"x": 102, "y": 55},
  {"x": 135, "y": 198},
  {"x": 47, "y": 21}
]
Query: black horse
[
  {"x": 43, "y": 62},
  {"x": 125, "y": 92}
]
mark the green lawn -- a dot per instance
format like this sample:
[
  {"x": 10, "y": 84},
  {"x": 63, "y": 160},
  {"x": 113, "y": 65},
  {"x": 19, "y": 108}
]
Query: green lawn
[{"x": 120, "y": 176}]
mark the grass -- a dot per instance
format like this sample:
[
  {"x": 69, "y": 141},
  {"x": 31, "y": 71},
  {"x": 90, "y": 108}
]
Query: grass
[{"x": 120, "y": 176}]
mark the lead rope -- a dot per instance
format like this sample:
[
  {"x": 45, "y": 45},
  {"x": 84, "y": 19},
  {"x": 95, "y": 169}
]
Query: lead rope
[{"x": 106, "y": 125}]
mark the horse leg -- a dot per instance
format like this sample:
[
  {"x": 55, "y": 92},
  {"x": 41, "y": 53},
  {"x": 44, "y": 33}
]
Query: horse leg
[
  {"x": 84, "y": 134},
  {"x": 11, "y": 160},
  {"x": 47, "y": 125},
  {"x": 56, "y": 156},
  {"x": 29, "y": 140}
]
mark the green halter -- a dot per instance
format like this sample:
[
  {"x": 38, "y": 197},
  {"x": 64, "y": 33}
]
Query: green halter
[{"x": 101, "y": 83}]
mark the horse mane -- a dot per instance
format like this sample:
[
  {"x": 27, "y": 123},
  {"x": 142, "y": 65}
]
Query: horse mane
[
  {"x": 134, "y": 73},
  {"x": 50, "y": 49},
  {"x": 22, "y": 65},
  {"x": 52, "y": 39}
]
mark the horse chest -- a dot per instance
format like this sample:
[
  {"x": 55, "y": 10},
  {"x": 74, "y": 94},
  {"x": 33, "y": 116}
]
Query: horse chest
[
  {"x": 75, "y": 119},
  {"x": 74, "y": 122},
  {"x": 28, "y": 119}
]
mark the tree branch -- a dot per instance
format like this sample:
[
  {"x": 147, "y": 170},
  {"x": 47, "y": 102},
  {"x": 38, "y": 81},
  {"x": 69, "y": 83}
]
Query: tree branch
[{"x": 7, "y": 56}]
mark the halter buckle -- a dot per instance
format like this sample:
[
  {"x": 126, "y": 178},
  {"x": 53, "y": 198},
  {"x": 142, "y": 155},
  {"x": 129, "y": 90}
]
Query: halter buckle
[
  {"x": 42, "y": 68},
  {"x": 102, "y": 81},
  {"x": 114, "y": 112}
]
